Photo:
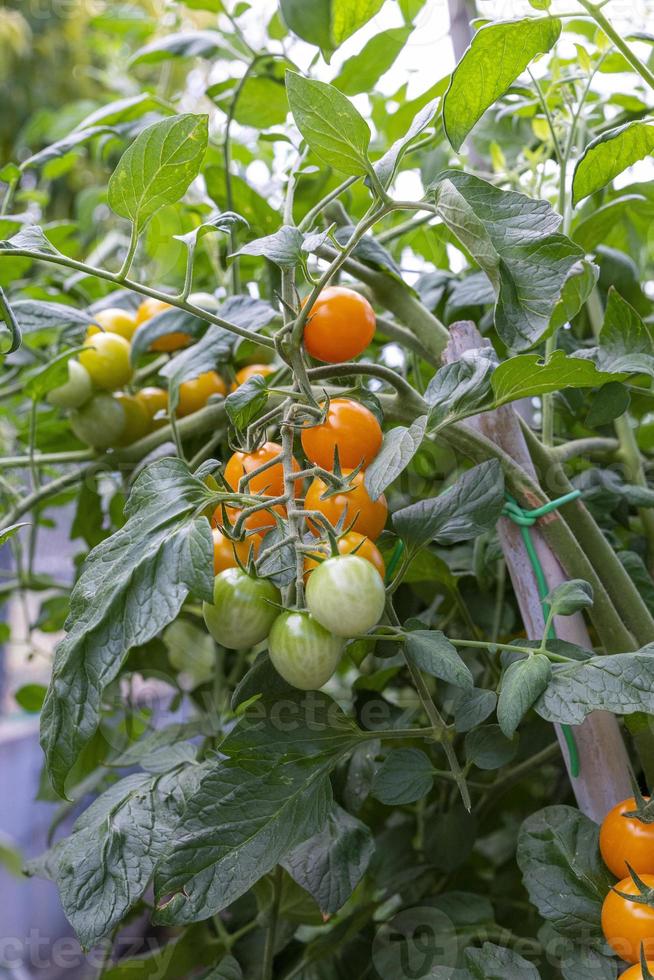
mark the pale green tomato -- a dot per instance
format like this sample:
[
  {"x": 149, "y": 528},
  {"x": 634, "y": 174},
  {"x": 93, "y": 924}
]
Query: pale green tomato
[
  {"x": 346, "y": 595},
  {"x": 100, "y": 422},
  {"x": 74, "y": 392},
  {"x": 302, "y": 651},
  {"x": 243, "y": 609}
]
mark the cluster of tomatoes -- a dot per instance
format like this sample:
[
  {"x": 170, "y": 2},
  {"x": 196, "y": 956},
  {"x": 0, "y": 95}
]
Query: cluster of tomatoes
[
  {"x": 103, "y": 413},
  {"x": 627, "y": 844},
  {"x": 345, "y": 592}
]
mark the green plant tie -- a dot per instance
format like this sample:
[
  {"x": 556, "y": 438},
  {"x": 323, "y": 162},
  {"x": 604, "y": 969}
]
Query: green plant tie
[{"x": 525, "y": 519}]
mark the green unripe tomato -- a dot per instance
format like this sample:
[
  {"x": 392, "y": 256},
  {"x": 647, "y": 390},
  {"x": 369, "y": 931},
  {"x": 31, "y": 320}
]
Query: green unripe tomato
[
  {"x": 74, "y": 392},
  {"x": 346, "y": 595},
  {"x": 100, "y": 422},
  {"x": 302, "y": 651},
  {"x": 137, "y": 420},
  {"x": 243, "y": 609},
  {"x": 106, "y": 358}
]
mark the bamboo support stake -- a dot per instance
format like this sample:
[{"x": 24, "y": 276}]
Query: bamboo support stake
[{"x": 603, "y": 778}]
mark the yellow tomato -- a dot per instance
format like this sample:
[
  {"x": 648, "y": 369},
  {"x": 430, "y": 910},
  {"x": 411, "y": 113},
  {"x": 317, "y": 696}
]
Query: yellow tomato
[
  {"x": 113, "y": 320},
  {"x": 106, "y": 358},
  {"x": 194, "y": 394},
  {"x": 137, "y": 420},
  {"x": 170, "y": 341}
]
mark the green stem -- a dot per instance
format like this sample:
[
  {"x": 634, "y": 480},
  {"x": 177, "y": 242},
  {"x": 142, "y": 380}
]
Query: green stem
[
  {"x": 131, "y": 251},
  {"x": 596, "y": 13},
  {"x": 144, "y": 290},
  {"x": 47, "y": 459},
  {"x": 511, "y": 647},
  {"x": 271, "y": 934}
]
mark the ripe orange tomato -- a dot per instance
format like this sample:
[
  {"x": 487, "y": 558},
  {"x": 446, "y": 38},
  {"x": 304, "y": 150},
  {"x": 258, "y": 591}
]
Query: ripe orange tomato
[
  {"x": 627, "y": 925},
  {"x": 627, "y": 839},
  {"x": 270, "y": 482},
  {"x": 636, "y": 972},
  {"x": 113, "y": 320},
  {"x": 106, "y": 358},
  {"x": 137, "y": 420},
  {"x": 169, "y": 342},
  {"x": 249, "y": 371},
  {"x": 225, "y": 551},
  {"x": 370, "y": 514},
  {"x": 154, "y": 400},
  {"x": 347, "y": 545},
  {"x": 349, "y": 427},
  {"x": 340, "y": 325},
  {"x": 194, "y": 394}
]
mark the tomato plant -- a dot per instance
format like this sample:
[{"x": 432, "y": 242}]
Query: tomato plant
[{"x": 349, "y": 673}]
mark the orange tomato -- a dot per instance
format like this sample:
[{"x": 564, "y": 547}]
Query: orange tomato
[
  {"x": 113, "y": 320},
  {"x": 627, "y": 840},
  {"x": 627, "y": 925},
  {"x": 347, "y": 545},
  {"x": 154, "y": 400},
  {"x": 354, "y": 503},
  {"x": 636, "y": 972},
  {"x": 270, "y": 483},
  {"x": 194, "y": 394},
  {"x": 226, "y": 551},
  {"x": 340, "y": 325},
  {"x": 249, "y": 371},
  {"x": 349, "y": 427},
  {"x": 148, "y": 309}
]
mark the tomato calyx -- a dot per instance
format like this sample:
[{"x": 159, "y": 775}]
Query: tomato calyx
[{"x": 645, "y": 894}]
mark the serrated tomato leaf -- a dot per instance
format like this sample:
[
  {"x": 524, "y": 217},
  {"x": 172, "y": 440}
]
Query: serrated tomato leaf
[{"x": 131, "y": 586}]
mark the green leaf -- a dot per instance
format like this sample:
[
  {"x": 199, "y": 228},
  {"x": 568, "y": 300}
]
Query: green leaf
[
  {"x": 284, "y": 247},
  {"x": 60, "y": 148},
  {"x": 8, "y": 532},
  {"x": 431, "y": 651},
  {"x": 248, "y": 401},
  {"x": 362, "y": 71},
  {"x": 496, "y": 963},
  {"x": 576, "y": 290},
  {"x": 558, "y": 854},
  {"x": 472, "y": 707},
  {"x": 184, "y": 44},
  {"x": 597, "y": 227},
  {"x": 331, "y": 864},
  {"x": 569, "y": 597},
  {"x": 330, "y": 124},
  {"x": 33, "y": 315},
  {"x": 103, "y": 868},
  {"x": 203, "y": 356},
  {"x": 462, "y": 512},
  {"x": 621, "y": 683},
  {"x": 610, "y": 154},
  {"x": 626, "y": 341},
  {"x": 30, "y": 697},
  {"x": 528, "y": 374},
  {"x": 386, "y": 166},
  {"x": 224, "y": 843},
  {"x": 261, "y": 101},
  {"x": 581, "y": 963},
  {"x": 158, "y": 167},
  {"x": 228, "y": 968},
  {"x": 327, "y": 23},
  {"x": 254, "y": 208},
  {"x": 54, "y": 373},
  {"x": 125, "y": 110},
  {"x": 405, "y": 776},
  {"x": 514, "y": 240},
  {"x": 398, "y": 449},
  {"x": 523, "y": 682},
  {"x": 168, "y": 321},
  {"x": 369, "y": 251},
  {"x": 461, "y": 388},
  {"x": 182, "y": 955},
  {"x": 488, "y": 748},
  {"x": 137, "y": 580},
  {"x": 498, "y": 54}
]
